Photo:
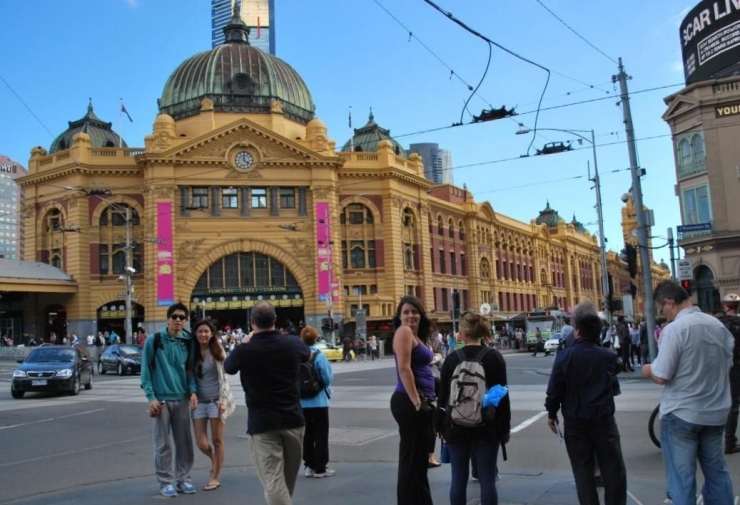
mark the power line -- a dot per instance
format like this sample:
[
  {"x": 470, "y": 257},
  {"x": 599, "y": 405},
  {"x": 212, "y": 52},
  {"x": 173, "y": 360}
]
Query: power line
[
  {"x": 576, "y": 33},
  {"x": 467, "y": 28}
]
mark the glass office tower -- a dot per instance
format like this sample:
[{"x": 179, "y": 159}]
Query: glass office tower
[{"x": 258, "y": 15}]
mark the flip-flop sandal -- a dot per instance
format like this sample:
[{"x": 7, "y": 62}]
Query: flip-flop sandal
[{"x": 211, "y": 486}]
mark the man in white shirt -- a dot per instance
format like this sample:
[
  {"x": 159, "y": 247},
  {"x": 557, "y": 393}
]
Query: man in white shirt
[
  {"x": 693, "y": 364},
  {"x": 90, "y": 340}
]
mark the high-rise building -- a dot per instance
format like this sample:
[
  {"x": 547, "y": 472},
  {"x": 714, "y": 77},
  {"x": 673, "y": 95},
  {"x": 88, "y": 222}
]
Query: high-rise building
[
  {"x": 258, "y": 15},
  {"x": 437, "y": 162},
  {"x": 11, "y": 203}
]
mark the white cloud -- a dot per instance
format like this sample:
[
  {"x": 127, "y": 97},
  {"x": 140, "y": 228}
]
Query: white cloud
[
  {"x": 133, "y": 3},
  {"x": 677, "y": 66}
]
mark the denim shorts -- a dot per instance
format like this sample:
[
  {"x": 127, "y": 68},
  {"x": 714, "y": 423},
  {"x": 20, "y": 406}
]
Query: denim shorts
[{"x": 206, "y": 411}]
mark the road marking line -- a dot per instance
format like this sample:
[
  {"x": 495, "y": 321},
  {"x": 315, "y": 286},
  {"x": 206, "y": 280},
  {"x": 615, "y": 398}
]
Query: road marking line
[
  {"x": 634, "y": 498},
  {"x": 49, "y": 419},
  {"x": 529, "y": 421},
  {"x": 67, "y": 453}
]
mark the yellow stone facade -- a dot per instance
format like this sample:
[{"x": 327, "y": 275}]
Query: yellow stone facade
[
  {"x": 416, "y": 226},
  {"x": 246, "y": 183}
]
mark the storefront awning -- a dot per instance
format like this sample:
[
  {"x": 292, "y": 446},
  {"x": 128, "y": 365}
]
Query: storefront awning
[{"x": 34, "y": 277}]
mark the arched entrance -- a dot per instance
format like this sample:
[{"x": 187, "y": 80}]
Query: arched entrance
[
  {"x": 112, "y": 317},
  {"x": 56, "y": 322},
  {"x": 707, "y": 295},
  {"x": 231, "y": 286}
]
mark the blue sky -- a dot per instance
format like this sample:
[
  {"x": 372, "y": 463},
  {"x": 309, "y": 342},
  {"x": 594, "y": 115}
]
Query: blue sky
[{"x": 352, "y": 53}]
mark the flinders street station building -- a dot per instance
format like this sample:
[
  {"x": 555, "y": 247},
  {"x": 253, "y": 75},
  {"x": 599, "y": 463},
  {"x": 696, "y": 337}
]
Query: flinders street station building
[{"x": 239, "y": 195}]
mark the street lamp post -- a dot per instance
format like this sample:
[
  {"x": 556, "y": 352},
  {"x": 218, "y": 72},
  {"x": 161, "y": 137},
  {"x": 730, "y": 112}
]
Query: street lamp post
[{"x": 599, "y": 210}]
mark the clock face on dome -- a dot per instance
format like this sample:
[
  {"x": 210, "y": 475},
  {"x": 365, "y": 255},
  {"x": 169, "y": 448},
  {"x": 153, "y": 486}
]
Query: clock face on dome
[{"x": 244, "y": 160}]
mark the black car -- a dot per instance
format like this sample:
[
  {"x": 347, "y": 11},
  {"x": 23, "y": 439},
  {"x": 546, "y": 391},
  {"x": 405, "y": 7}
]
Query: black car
[
  {"x": 121, "y": 359},
  {"x": 58, "y": 368}
]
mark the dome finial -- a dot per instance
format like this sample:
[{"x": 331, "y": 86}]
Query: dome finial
[
  {"x": 371, "y": 118},
  {"x": 236, "y": 32}
]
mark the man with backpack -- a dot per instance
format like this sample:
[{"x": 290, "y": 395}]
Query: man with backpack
[
  {"x": 169, "y": 385},
  {"x": 730, "y": 305},
  {"x": 268, "y": 368},
  {"x": 583, "y": 383}
]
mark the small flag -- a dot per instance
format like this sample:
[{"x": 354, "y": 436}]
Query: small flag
[
  {"x": 259, "y": 28},
  {"x": 124, "y": 111}
]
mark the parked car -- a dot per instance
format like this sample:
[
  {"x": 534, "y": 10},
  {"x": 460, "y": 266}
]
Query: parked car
[
  {"x": 332, "y": 352},
  {"x": 552, "y": 344},
  {"x": 121, "y": 359},
  {"x": 59, "y": 368}
]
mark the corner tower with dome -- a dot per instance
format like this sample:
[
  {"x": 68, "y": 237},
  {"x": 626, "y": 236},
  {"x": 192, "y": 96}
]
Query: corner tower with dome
[{"x": 239, "y": 195}]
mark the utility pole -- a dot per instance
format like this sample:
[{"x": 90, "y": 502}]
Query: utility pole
[
  {"x": 602, "y": 240},
  {"x": 127, "y": 277},
  {"x": 673, "y": 257},
  {"x": 642, "y": 241}
]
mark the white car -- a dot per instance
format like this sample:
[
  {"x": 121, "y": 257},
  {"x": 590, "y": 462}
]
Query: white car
[{"x": 552, "y": 344}]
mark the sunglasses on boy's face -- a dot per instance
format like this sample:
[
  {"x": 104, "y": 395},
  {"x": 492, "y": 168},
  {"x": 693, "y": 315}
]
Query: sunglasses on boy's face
[{"x": 178, "y": 317}]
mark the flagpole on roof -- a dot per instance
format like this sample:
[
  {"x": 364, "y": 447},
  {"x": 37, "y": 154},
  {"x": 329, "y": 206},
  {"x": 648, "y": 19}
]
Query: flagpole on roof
[
  {"x": 120, "y": 122},
  {"x": 351, "y": 137}
]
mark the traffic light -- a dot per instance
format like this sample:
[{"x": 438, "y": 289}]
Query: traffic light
[
  {"x": 455, "y": 304},
  {"x": 327, "y": 324},
  {"x": 686, "y": 284},
  {"x": 629, "y": 256}
]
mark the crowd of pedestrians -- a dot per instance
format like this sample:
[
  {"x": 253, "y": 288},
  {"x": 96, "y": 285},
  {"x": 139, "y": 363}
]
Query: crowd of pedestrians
[{"x": 184, "y": 380}]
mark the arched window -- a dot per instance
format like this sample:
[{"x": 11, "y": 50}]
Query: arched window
[
  {"x": 112, "y": 247},
  {"x": 115, "y": 215},
  {"x": 356, "y": 213},
  {"x": 431, "y": 223},
  {"x": 408, "y": 218},
  {"x": 697, "y": 147},
  {"x": 684, "y": 153},
  {"x": 485, "y": 268},
  {"x": 440, "y": 226},
  {"x": 461, "y": 230},
  {"x": 52, "y": 235},
  {"x": 451, "y": 228},
  {"x": 408, "y": 257}
]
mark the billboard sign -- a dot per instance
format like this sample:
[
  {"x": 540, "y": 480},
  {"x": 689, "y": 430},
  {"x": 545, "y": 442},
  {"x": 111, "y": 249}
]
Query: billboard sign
[
  {"x": 165, "y": 256},
  {"x": 710, "y": 38}
]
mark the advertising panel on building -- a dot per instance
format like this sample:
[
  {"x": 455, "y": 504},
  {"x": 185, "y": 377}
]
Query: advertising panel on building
[{"x": 710, "y": 39}]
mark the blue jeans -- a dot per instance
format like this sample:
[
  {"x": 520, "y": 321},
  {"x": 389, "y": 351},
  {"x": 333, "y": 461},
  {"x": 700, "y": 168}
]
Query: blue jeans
[
  {"x": 682, "y": 443},
  {"x": 485, "y": 459}
]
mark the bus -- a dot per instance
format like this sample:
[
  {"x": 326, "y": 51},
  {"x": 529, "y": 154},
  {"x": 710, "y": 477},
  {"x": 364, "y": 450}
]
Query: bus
[{"x": 549, "y": 320}]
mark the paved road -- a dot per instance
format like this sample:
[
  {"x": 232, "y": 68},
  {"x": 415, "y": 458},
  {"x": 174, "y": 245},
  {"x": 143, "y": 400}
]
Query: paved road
[{"x": 95, "y": 448}]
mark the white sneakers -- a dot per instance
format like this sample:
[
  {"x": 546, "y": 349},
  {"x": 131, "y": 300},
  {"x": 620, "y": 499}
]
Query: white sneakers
[{"x": 326, "y": 473}]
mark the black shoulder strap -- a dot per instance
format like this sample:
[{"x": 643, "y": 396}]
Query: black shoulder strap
[
  {"x": 156, "y": 344},
  {"x": 482, "y": 353}
]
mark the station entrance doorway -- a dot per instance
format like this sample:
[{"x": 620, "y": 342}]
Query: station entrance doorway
[{"x": 230, "y": 287}]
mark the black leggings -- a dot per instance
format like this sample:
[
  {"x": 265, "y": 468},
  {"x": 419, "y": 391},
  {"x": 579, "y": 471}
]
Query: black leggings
[{"x": 413, "y": 458}]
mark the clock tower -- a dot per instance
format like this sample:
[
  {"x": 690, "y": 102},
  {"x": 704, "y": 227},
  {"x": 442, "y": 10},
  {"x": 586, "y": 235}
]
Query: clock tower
[{"x": 629, "y": 225}]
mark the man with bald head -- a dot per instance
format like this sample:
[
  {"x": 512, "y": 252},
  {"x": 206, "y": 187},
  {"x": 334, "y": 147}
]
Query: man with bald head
[{"x": 268, "y": 368}]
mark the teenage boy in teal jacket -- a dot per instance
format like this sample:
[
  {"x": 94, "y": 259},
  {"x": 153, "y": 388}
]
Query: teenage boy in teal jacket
[{"x": 169, "y": 385}]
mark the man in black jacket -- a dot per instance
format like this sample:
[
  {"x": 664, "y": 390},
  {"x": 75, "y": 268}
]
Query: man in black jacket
[
  {"x": 730, "y": 305},
  {"x": 582, "y": 384},
  {"x": 623, "y": 333},
  {"x": 268, "y": 368}
]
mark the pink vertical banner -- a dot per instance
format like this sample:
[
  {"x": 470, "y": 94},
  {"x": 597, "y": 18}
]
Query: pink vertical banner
[
  {"x": 323, "y": 256},
  {"x": 165, "y": 268}
]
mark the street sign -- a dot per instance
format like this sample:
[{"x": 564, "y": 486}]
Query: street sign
[
  {"x": 684, "y": 270},
  {"x": 690, "y": 228}
]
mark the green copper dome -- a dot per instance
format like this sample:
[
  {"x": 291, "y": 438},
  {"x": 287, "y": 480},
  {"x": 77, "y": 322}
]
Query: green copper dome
[
  {"x": 578, "y": 225},
  {"x": 367, "y": 138},
  {"x": 237, "y": 78},
  {"x": 101, "y": 134},
  {"x": 549, "y": 217}
]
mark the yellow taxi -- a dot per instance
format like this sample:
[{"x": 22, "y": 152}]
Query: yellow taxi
[{"x": 332, "y": 352}]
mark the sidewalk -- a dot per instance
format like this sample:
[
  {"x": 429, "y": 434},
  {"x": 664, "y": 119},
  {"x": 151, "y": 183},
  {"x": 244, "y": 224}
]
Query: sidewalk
[{"x": 355, "y": 483}]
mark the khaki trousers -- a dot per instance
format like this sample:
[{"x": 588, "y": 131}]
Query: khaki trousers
[{"x": 277, "y": 458}]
